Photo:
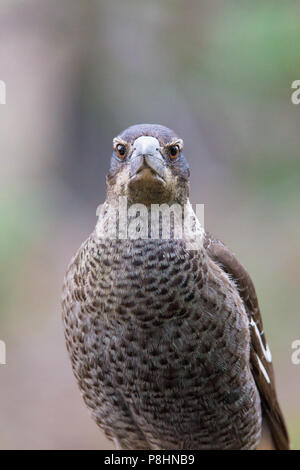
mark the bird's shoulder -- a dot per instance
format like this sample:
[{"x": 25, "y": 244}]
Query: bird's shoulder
[{"x": 260, "y": 355}]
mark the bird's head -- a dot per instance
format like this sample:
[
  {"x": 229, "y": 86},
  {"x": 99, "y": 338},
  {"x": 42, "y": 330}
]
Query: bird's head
[{"x": 148, "y": 166}]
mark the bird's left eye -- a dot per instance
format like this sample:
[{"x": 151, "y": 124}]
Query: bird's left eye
[
  {"x": 121, "y": 150},
  {"x": 174, "y": 151}
]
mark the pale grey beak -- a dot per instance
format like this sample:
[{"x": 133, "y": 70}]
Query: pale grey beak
[{"x": 146, "y": 154}]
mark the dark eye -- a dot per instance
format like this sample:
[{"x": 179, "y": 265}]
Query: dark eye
[
  {"x": 174, "y": 151},
  {"x": 121, "y": 150}
]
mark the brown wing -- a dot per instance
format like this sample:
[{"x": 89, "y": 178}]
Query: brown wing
[{"x": 260, "y": 356}]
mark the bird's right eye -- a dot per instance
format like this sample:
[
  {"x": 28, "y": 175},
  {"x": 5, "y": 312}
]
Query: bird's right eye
[
  {"x": 174, "y": 151},
  {"x": 121, "y": 151}
]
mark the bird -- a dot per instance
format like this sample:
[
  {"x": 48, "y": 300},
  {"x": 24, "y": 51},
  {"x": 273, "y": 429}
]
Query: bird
[{"x": 165, "y": 333}]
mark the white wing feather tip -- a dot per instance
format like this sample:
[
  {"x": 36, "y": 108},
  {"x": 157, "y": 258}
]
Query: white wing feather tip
[
  {"x": 263, "y": 370},
  {"x": 266, "y": 351}
]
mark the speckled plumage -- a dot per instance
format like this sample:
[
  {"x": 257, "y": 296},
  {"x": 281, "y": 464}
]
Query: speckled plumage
[{"x": 159, "y": 337}]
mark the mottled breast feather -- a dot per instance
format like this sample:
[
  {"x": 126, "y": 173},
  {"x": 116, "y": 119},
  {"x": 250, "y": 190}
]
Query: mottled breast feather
[{"x": 159, "y": 341}]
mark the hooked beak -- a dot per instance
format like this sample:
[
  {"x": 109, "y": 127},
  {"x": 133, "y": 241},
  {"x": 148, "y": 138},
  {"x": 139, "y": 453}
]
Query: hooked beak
[{"x": 146, "y": 159}]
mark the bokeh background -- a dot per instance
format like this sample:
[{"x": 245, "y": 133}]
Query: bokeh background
[{"x": 79, "y": 71}]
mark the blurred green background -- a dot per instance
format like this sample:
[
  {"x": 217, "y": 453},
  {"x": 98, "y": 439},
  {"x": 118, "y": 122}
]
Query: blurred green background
[{"x": 78, "y": 72}]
